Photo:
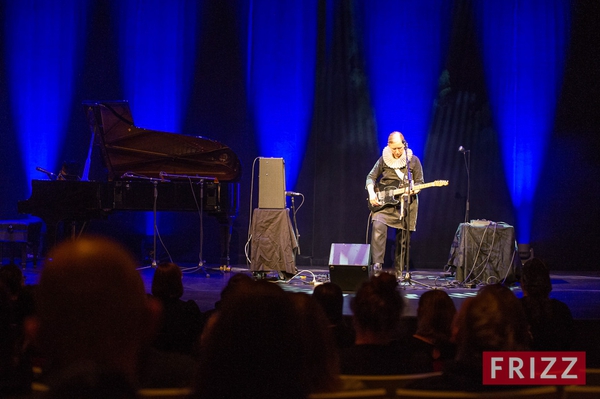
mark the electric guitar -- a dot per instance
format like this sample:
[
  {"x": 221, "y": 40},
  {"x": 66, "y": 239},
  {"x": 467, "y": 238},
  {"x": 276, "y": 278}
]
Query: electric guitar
[{"x": 387, "y": 197}]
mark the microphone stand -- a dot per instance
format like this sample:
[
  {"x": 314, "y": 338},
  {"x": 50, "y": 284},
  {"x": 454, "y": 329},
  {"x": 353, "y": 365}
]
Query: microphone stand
[
  {"x": 200, "y": 180},
  {"x": 154, "y": 181},
  {"x": 405, "y": 241},
  {"x": 467, "y": 159},
  {"x": 296, "y": 225},
  {"x": 154, "y": 227}
]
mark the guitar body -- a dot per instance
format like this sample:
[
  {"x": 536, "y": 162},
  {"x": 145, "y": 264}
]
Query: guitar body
[
  {"x": 389, "y": 196},
  {"x": 386, "y": 197}
]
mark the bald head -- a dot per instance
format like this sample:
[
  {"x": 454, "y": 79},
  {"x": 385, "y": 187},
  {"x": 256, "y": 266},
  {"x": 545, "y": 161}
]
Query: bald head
[
  {"x": 395, "y": 138},
  {"x": 91, "y": 301},
  {"x": 396, "y": 144}
]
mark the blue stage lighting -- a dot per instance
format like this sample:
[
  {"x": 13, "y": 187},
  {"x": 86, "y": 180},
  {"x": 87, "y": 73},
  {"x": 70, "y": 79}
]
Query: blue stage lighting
[
  {"x": 524, "y": 44},
  {"x": 405, "y": 46},
  {"x": 157, "y": 55},
  {"x": 281, "y": 78},
  {"x": 43, "y": 51}
]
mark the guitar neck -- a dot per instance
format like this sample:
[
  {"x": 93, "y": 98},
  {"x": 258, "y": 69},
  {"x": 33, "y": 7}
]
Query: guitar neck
[{"x": 416, "y": 187}]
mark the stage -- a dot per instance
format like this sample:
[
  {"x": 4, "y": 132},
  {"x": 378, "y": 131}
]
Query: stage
[{"x": 580, "y": 291}]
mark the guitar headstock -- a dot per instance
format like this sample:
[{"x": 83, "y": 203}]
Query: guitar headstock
[{"x": 440, "y": 183}]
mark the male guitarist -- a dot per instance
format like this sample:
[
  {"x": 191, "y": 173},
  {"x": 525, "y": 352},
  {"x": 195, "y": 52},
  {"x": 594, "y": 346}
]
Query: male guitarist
[{"x": 390, "y": 170}]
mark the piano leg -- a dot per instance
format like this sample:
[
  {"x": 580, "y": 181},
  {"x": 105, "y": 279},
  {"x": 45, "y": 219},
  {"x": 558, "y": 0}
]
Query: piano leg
[
  {"x": 59, "y": 230},
  {"x": 225, "y": 227},
  {"x": 52, "y": 235}
]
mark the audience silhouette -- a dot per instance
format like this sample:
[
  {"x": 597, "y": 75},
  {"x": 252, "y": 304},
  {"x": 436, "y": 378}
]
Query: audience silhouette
[
  {"x": 20, "y": 295},
  {"x": 320, "y": 355},
  {"x": 255, "y": 338},
  {"x": 15, "y": 366},
  {"x": 331, "y": 298},
  {"x": 493, "y": 320},
  {"x": 234, "y": 282},
  {"x": 550, "y": 320},
  {"x": 100, "y": 335},
  {"x": 376, "y": 307},
  {"x": 431, "y": 345},
  {"x": 182, "y": 321},
  {"x": 92, "y": 319}
]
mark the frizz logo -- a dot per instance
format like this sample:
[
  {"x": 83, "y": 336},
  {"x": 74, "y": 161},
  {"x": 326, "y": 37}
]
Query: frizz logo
[{"x": 534, "y": 368}]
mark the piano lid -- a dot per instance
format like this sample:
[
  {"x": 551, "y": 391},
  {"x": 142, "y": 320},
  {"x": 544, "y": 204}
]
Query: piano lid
[{"x": 129, "y": 149}]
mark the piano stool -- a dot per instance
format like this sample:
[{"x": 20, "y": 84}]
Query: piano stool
[{"x": 23, "y": 234}]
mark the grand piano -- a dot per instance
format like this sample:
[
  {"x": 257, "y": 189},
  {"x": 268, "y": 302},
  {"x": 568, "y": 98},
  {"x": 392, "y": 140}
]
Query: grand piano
[{"x": 143, "y": 170}]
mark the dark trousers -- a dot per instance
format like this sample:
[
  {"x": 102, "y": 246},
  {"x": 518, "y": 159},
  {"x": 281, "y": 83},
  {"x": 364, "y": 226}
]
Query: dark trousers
[{"x": 378, "y": 242}]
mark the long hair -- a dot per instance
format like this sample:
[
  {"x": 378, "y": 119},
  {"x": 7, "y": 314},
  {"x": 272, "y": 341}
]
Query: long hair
[
  {"x": 321, "y": 362},
  {"x": 434, "y": 316},
  {"x": 494, "y": 320},
  {"x": 254, "y": 336},
  {"x": 377, "y": 305}
]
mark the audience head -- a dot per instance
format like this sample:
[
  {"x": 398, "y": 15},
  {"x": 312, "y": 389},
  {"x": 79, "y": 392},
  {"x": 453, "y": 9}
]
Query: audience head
[
  {"x": 12, "y": 276},
  {"x": 92, "y": 306},
  {"x": 5, "y": 323},
  {"x": 235, "y": 282},
  {"x": 535, "y": 279},
  {"x": 494, "y": 320},
  {"x": 167, "y": 281},
  {"x": 435, "y": 314},
  {"x": 331, "y": 298},
  {"x": 377, "y": 307},
  {"x": 254, "y": 335},
  {"x": 321, "y": 363}
]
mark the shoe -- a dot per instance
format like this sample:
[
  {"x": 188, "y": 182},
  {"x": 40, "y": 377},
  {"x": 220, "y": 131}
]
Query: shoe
[{"x": 377, "y": 269}]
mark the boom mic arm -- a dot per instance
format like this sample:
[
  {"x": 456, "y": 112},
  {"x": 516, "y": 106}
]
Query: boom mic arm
[{"x": 47, "y": 172}]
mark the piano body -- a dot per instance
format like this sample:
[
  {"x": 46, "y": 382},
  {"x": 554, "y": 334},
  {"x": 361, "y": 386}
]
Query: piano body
[{"x": 146, "y": 170}]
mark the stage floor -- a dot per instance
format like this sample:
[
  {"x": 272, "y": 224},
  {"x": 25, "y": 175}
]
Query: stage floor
[{"x": 579, "y": 290}]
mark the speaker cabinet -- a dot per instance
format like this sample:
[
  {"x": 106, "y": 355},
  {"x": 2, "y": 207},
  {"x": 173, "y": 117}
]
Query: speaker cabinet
[
  {"x": 350, "y": 265},
  {"x": 271, "y": 183}
]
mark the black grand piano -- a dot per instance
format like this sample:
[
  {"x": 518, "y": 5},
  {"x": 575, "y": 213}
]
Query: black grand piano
[{"x": 145, "y": 170}]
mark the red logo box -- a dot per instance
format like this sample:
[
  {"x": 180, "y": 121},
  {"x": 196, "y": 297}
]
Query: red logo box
[{"x": 534, "y": 368}]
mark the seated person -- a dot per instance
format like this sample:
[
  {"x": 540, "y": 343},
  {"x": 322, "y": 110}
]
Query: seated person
[
  {"x": 92, "y": 319},
  {"x": 254, "y": 338},
  {"x": 376, "y": 309},
  {"x": 431, "y": 344},
  {"x": 182, "y": 321},
  {"x": 331, "y": 298},
  {"x": 21, "y": 295},
  {"x": 493, "y": 320},
  {"x": 550, "y": 320},
  {"x": 15, "y": 367},
  {"x": 321, "y": 363},
  {"x": 70, "y": 170}
]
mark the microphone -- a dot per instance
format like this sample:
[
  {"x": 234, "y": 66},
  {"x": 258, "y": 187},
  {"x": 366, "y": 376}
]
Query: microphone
[
  {"x": 50, "y": 174},
  {"x": 462, "y": 149},
  {"x": 292, "y": 194},
  {"x": 405, "y": 143}
]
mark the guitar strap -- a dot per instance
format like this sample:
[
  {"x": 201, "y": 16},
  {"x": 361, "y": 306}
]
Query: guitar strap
[{"x": 399, "y": 173}]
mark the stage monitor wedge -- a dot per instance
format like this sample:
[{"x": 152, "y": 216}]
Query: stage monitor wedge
[
  {"x": 271, "y": 183},
  {"x": 350, "y": 265}
]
